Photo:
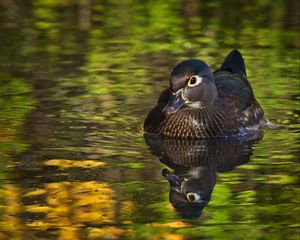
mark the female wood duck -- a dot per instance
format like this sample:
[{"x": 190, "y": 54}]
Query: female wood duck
[{"x": 200, "y": 104}]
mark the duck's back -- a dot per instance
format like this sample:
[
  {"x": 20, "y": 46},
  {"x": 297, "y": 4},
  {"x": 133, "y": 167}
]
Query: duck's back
[
  {"x": 235, "y": 92},
  {"x": 232, "y": 83}
]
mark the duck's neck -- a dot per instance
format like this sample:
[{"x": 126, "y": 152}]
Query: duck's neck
[
  {"x": 197, "y": 105},
  {"x": 203, "y": 104}
]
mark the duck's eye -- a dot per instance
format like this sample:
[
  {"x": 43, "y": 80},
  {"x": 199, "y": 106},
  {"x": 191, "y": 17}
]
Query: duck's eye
[
  {"x": 192, "y": 197},
  {"x": 194, "y": 81}
]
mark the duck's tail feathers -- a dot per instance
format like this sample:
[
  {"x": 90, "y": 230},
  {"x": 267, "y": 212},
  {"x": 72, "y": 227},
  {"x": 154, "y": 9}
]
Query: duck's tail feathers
[{"x": 234, "y": 62}]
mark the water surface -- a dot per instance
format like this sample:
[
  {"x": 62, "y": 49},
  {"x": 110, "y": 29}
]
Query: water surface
[{"x": 77, "y": 79}]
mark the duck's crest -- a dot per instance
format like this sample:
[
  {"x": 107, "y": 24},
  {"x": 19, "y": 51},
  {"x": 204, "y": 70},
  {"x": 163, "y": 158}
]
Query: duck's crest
[{"x": 234, "y": 62}]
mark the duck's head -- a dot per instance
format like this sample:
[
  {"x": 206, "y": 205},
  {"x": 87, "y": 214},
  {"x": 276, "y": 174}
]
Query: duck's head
[{"x": 191, "y": 84}]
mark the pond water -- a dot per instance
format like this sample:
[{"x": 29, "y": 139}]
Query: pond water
[{"x": 77, "y": 79}]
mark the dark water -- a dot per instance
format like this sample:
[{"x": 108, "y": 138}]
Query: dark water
[{"x": 77, "y": 79}]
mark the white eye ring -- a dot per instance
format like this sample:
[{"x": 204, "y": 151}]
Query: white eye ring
[
  {"x": 193, "y": 197},
  {"x": 194, "y": 81}
]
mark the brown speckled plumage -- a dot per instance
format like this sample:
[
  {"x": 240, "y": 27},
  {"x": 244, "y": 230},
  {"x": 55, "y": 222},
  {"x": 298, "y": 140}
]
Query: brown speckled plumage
[{"x": 206, "y": 123}]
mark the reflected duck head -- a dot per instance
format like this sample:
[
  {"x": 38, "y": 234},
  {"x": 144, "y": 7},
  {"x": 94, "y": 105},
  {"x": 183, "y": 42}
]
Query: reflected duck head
[
  {"x": 191, "y": 84},
  {"x": 190, "y": 189}
]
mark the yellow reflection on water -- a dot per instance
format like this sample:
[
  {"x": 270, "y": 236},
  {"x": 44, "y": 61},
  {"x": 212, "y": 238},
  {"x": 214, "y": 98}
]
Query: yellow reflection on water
[{"x": 65, "y": 207}]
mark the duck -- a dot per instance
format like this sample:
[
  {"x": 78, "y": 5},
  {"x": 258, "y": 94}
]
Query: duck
[{"x": 204, "y": 104}]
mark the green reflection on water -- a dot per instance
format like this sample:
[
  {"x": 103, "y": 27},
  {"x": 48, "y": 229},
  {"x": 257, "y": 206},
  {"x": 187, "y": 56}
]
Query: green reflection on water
[
  {"x": 14, "y": 105},
  {"x": 77, "y": 79}
]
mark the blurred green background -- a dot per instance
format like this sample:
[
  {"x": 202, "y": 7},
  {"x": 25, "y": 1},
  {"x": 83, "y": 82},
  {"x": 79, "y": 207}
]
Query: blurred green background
[{"x": 76, "y": 81}]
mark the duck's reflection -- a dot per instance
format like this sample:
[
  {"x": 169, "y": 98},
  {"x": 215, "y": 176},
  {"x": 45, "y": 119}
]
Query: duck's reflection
[{"x": 195, "y": 165}]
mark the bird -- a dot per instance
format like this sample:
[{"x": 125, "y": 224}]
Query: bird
[{"x": 202, "y": 104}]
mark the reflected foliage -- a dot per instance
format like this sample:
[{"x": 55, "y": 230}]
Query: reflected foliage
[{"x": 77, "y": 79}]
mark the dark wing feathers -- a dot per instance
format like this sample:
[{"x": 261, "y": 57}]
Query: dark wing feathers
[
  {"x": 232, "y": 83},
  {"x": 234, "y": 63}
]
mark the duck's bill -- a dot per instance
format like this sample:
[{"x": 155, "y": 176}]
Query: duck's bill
[
  {"x": 175, "y": 181},
  {"x": 175, "y": 103}
]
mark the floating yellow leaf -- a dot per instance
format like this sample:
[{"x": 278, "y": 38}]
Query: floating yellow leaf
[
  {"x": 40, "y": 225},
  {"x": 65, "y": 163},
  {"x": 172, "y": 236},
  {"x": 36, "y": 209},
  {"x": 177, "y": 224},
  {"x": 110, "y": 232},
  {"x": 35, "y": 192}
]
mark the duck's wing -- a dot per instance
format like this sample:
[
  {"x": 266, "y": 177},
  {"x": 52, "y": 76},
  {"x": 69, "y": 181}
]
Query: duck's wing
[
  {"x": 234, "y": 63},
  {"x": 232, "y": 83},
  {"x": 156, "y": 115},
  {"x": 235, "y": 91}
]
